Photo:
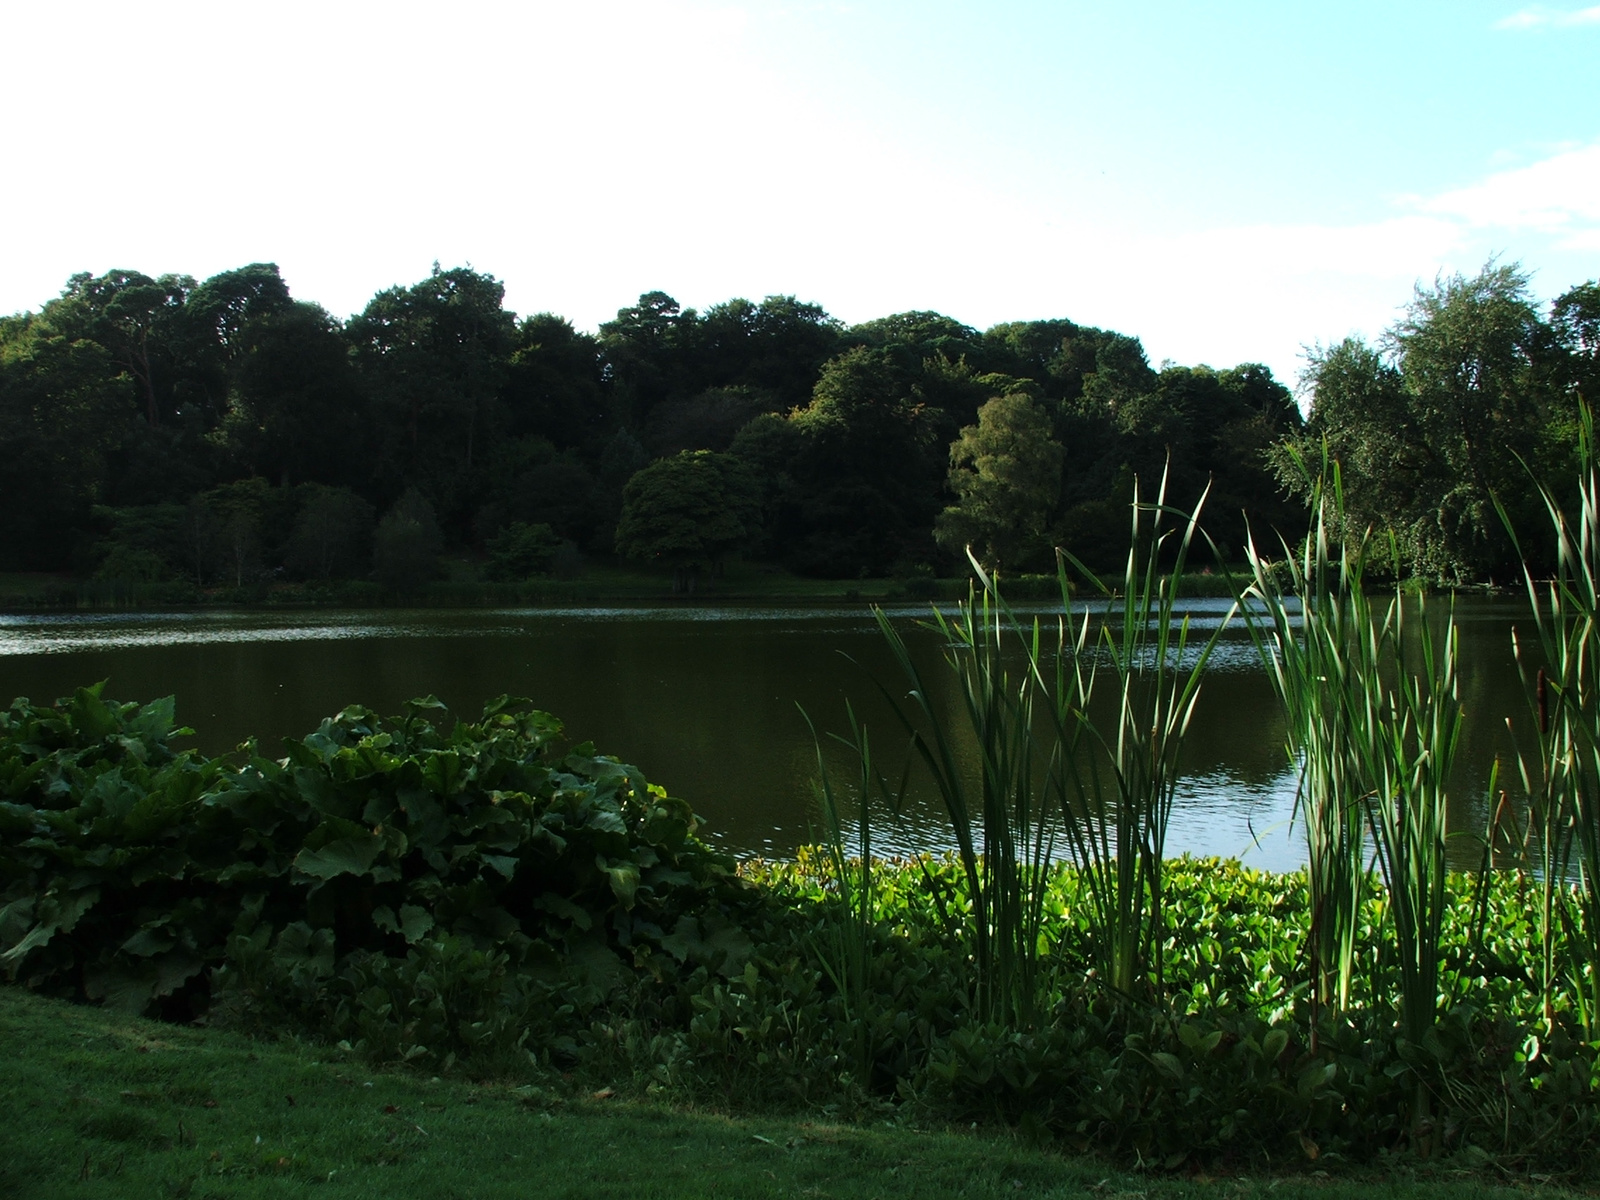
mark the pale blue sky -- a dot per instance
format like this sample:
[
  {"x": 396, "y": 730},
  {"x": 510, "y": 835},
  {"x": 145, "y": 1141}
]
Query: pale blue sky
[{"x": 1229, "y": 181}]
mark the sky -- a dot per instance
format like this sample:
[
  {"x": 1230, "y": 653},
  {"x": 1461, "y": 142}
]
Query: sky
[{"x": 1229, "y": 181}]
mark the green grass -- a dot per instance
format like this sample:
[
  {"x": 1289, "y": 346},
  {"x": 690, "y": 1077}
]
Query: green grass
[{"x": 107, "y": 1105}]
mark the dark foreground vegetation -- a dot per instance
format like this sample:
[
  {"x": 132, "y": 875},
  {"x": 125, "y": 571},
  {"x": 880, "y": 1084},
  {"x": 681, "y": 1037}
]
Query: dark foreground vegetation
[
  {"x": 177, "y": 440},
  {"x": 108, "y": 1105},
  {"x": 484, "y": 904}
]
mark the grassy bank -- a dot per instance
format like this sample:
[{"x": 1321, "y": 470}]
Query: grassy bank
[{"x": 109, "y": 1105}]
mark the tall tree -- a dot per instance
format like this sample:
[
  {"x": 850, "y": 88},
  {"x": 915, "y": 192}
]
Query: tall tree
[
  {"x": 646, "y": 352},
  {"x": 870, "y": 468},
  {"x": 61, "y": 414},
  {"x": 136, "y": 318},
  {"x": 1461, "y": 397},
  {"x": 777, "y": 346},
  {"x": 687, "y": 512},
  {"x": 434, "y": 356},
  {"x": 1006, "y": 474},
  {"x": 296, "y": 409},
  {"x": 554, "y": 386},
  {"x": 1575, "y": 317}
]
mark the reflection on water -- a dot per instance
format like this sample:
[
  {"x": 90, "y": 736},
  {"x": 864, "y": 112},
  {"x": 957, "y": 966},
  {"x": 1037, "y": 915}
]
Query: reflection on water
[{"x": 706, "y": 700}]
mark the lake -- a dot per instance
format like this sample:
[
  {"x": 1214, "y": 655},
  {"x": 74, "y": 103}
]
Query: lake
[{"x": 706, "y": 700}]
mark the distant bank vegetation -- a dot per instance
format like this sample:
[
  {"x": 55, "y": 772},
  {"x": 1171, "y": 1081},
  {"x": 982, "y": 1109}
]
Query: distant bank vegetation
[{"x": 220, "y": 434}]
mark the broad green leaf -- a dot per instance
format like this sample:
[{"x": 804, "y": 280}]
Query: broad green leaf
[
  {"x": 624, "y": 879},
  {"x": 442, "y": 772},
  {"x": 1168, "y": 1064},
  {"x": 346, "y": 856},
  {"x": 150, "y": 941},
  {"x": 415, "y": 922}
]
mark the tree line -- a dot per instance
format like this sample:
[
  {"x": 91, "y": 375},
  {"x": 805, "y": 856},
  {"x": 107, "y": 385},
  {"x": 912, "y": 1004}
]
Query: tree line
[{"x": 224, "y": 432}]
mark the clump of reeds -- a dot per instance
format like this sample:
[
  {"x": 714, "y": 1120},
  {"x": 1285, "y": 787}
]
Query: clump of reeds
[
  {"x": 1561, "y": 842},
  {"x": 1304, "y": 616},
  {"x": 845, "y": 951},
  {"x": 1052, "y": 781},
  {"x": 1374, "y": 721},
  {"x": 1116, "y": 836},
  {"x": 999, "y": 822}
]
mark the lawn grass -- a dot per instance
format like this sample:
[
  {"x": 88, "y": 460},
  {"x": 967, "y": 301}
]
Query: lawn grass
[{"x": 112, "y": 1106}]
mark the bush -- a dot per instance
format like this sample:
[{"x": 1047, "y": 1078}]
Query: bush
[
  {"x": 405, "y": 553},
  {"x": 521, "y": 550},
  {"x": 146, "y": 877}
]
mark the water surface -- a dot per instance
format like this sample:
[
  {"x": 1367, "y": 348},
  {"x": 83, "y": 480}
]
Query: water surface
[{"x": 706, "y": 700}]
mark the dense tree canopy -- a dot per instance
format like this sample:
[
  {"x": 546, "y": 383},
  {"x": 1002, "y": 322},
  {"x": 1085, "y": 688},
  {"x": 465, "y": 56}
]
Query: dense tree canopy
[
  {"x": 226, "y": 432},
  {"x": 1465, "y": 396},
  {"x": 687, "y": 512}
]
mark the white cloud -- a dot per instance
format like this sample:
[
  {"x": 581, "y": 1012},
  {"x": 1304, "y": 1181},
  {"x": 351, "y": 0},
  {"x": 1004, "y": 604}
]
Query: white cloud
[
  {"x": 1559, "y": 195},
  {"x": 1540, "y": 17}
]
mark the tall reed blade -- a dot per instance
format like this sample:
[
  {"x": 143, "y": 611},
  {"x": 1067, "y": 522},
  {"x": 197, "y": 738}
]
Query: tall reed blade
[
  {"x": 1116, "y": 837},
  {"x": 845, "y": 948},
  {"x": 1561, "y": 677},
  {"x": 1306, "y": 617},
  {"x": 1001, "y": 830}
]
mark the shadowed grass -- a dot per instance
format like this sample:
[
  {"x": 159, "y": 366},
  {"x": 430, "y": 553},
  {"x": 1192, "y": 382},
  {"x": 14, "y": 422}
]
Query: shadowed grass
[{"x": 111, "y": 1106}]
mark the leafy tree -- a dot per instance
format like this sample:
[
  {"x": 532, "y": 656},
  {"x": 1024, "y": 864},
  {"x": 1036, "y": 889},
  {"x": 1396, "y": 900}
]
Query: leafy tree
[
  {"x": 914, "y": 336},
  {"x": 296, "y": 412},
  {"x": 776, "y": 347},
  {"x": 687, "y": 512},
  {"x": 562, "y": 493},
  {"x": 1575, "y": 318},
  {"x": 645, "y": 351},
  {"x": 1438, "y": 420},
  {"x": 520, "y": 550},
  {"x": 136, "y": 319},
  {"x": 242, "y": 515},
  {"x": 707, "y": 421},
  {"x": 435, "y": 356},
  {"x": 332, "y": 533},
  {"x": 1213, "y": 429},
  {"x": 199, "y": 536},
  {"x": 1006, "y": 473},
  {"x": 770, "y": 446},
  {"x": 60, "y": 419},
  {"x": 868, "y": 471},
  {"x": 405, "y": 552},
  {"x": 225, "y": 304},
  {"x": 554, "y": 388},
  {"x": 210, "y": 338},
  {"x": 135, "y": 535}
]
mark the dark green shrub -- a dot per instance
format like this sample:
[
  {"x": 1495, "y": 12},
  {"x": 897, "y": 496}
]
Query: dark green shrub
[
  {"x": 520, "y": 550},
  {"x": 132, "y": 873},
  {"x": 406, "y": 548}
]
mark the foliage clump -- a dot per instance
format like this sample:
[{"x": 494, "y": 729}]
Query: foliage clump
[{"x": 459, "y": 863}]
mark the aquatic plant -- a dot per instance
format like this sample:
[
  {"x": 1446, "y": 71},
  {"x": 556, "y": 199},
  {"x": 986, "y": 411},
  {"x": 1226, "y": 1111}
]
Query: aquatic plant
[
  {"x": 1560, "y": 846},
  {"x": 1116, "y": 836}
]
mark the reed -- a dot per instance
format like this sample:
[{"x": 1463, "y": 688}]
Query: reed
[
  {"x": 845, "y": 940},
  {"x": 1305, "y": 618},
  {"x": 1004, "y": 841},
  {"x": 1116, "y": 835},
  {"x": 1407, "y": 727},
  {"x": 1375, "y": 720},
  {"x": 1561, "y": 676}
]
